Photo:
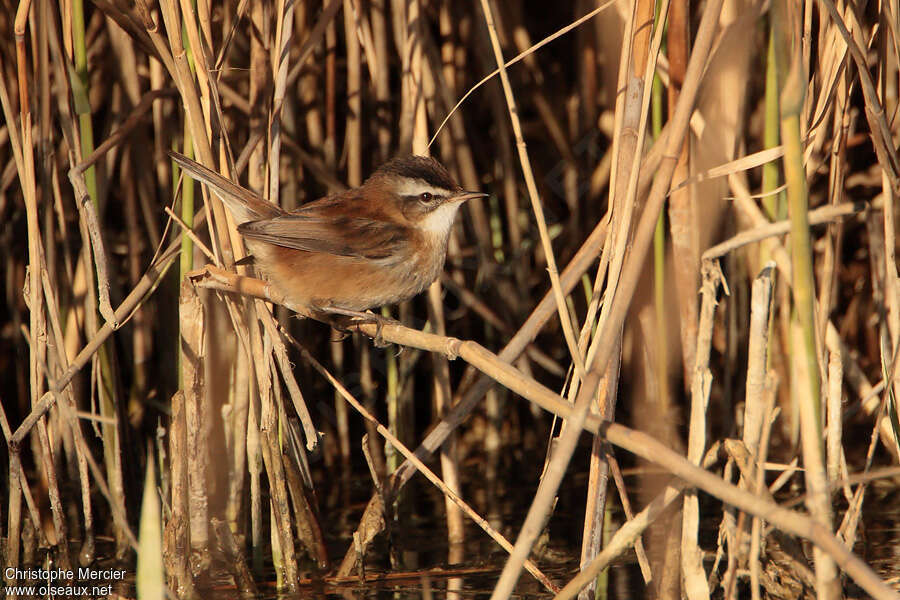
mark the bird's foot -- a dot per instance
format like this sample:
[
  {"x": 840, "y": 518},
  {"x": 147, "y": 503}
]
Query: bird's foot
[{"x": 361, "y": 317}]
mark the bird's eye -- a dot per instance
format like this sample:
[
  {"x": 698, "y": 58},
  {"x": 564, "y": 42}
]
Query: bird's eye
[{"x": 426, "y": 197}]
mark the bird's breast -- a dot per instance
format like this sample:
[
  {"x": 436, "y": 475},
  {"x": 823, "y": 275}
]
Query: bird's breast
[{"x": 315, "y": 279}]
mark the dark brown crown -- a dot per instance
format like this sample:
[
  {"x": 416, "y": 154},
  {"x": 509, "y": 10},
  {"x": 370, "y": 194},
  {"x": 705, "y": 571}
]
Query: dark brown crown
[{"x": 418, "y": 167}]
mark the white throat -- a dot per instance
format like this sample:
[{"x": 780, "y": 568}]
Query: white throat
[{"x": 439, "y": 221}]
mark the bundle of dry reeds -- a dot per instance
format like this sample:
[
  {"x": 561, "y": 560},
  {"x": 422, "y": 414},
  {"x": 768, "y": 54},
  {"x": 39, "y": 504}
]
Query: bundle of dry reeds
[{"x": 691, "y": 220}]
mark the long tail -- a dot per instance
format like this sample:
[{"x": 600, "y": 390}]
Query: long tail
[{"x": 244, "y": 205}]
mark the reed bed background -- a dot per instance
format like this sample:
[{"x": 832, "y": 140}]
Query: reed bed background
[{"x": 686, "y": 264}]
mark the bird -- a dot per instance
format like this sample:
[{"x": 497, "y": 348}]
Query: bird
[{"x": 377, "y": 244}]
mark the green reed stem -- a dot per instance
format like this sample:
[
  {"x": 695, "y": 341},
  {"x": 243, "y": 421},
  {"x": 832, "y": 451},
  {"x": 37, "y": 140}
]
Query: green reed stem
[
  {"x": 657, "y": 95},
  {"x": 81, "y": 97}
]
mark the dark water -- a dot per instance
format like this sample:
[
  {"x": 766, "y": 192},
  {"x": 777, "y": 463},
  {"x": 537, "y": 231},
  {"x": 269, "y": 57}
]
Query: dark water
[
  {"x": 879, "y": 538},
  {"x": 420, "y": 544},
  {"x": 878, "y": 543},
  {"x": 416, "y": 547},
  {"x": 411, "y": 563}
]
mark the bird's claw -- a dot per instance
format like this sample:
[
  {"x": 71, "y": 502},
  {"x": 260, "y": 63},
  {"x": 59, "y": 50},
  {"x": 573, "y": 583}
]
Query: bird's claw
[
  {"x": 379, "y": 321},
  {"x": 378, "y": 340},
  {"x": 358, "y": 318}
]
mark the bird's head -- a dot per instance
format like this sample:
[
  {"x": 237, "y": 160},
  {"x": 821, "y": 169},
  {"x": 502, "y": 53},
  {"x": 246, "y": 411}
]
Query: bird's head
[{"x": 422, "y": 190}]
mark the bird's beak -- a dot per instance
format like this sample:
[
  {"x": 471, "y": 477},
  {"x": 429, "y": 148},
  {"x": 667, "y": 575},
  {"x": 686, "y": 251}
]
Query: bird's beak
[{"x": 463, "y": 196}]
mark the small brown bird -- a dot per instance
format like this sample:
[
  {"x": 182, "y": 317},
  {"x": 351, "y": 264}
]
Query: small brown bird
[{"x": 380, "y": 243}]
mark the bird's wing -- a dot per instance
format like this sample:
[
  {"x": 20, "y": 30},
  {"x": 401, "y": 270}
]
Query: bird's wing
[{"x": 323, "y": 226}]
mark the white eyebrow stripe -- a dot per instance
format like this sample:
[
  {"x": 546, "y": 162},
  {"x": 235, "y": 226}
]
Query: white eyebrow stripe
[{"x": 414, "y": 187}]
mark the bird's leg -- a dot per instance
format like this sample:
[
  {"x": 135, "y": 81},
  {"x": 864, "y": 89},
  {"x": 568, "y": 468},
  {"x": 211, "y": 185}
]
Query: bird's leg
[{"x": 364, "y": 317}]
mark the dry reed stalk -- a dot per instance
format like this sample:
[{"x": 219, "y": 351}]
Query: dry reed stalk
[
  {"x": 757, "y": 363},
  {"x": 443, "y": 397},
  {"x": 373, "y": 452},
  {"x": 891, "y": 279},
  {"x": 610, "y": 329},
  {"x": 199, "y": 59},
  {"x": 176, "y": 540},
  {"x": 555, "y": 129},
  {"x": 17, "y": 488},
  {"x": 472, "y": 301},
  {"x": 443, "y": 67},
  {"x": 682, "y": 205},
  {"x": 887, "y": 359},
  {"x": 756, "y": 404},
  {"x": 263, "y": 387},
  {"x": 187, "y": 86},
  {"x": 284, "y": 29},
  {"x": 850, "y": 523},
  {"x": 788, "y": 521},
  {"x": 281, "y": 524},
  {"x": 237, "y": 431},
  {"x": 635, "y": 74},
  {"x": 193, "y": 355},
  {"x": 691, "y": 560},
  {"x": 441, "y": 389},
  {"x": 281, "y": 359},
  {"x": 142, "y": 339},
  {"x": 342, "y": 423},
  {"x": 235, "y": 561},
  {"x": 598, "y": 479},
  {"x": 257, "y": 350},
  {"x": 834, "y": 421},
  {"x": 302, "y": 494},
  {"x": 87, "y": 550},
  {"x": 643, "y": 561},
  {"x": 659, "y": 351},
  {"x": 625, "y": 537},
  {"x": 520, "y": 56},
  {"x": 663, "y": 175},
  {"x": 201, "y": 120},
  {"x": 756, "y": 529},
  {"x": 456, "y": 148},
  {"x": 817, "y": 216}
]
